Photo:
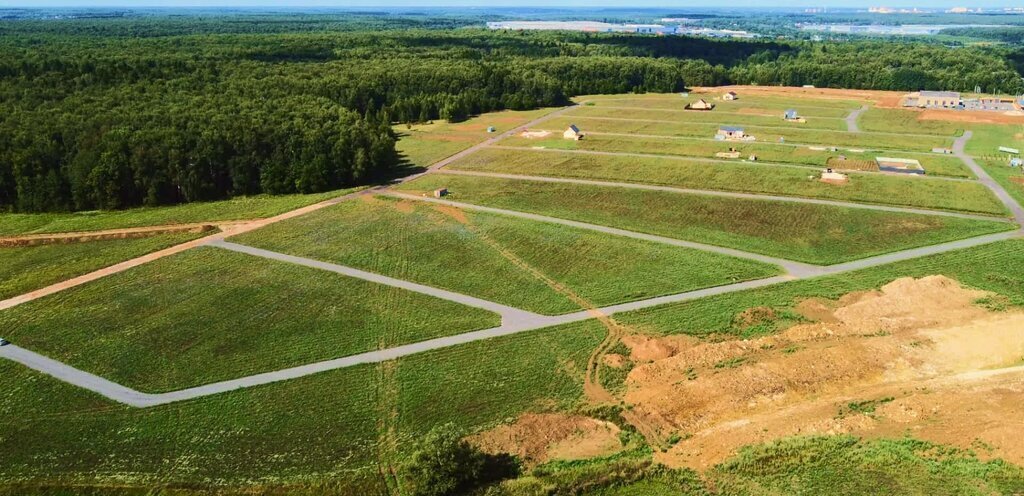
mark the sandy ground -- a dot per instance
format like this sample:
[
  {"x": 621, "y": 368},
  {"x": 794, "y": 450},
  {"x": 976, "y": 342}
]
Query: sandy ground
[
  {"x": 536, "y": 134},
  {"x": 539, "y": 437},
  {"x": 917, "y": 356},
  {"x": 125, "y": 233}
]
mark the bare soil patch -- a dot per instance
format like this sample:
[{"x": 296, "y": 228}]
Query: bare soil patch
[
  {"x": 919, "y": 355},
  {"x": 536, "y": 134},
  {"x": 539, "y": 437},
  {"x": 126, "y": 233},
  {"x": 979, "y": 117}
]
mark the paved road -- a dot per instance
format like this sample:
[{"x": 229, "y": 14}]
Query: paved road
[
  {"x": 793, "y": 268},
  {"x": 138, "y": 399},
  {"x": 1015, "y": 208},
  {"x": 509, "y": 315},
  {"x": 902, "y": 177},
  {"x": 724, "y": 194},
  {"x": 851, "y": 120}
]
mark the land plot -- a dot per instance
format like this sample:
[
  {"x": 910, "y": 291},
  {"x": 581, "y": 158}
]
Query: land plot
[
  {"x": 748, "y": 106},
  {"x": 984, "y": 147},
  {"x": 808, "y": 233},
  {"x": 906, "y": 121},
  {"x": 424, "y": 144},
  {"x": 964, "y": 196},
  {"x": 251, "y": 207},
  {"x": 27, "y": 268},
  {"x": 208, "y": 314},
  {"x": 530, "y": 265},
  {"x": 781, "y": 153},
  {"x": 714, "y": 117},
  {"x": 670, "y": 127}
]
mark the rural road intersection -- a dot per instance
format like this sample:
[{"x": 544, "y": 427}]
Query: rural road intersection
[{"x": 513, "y": 320}]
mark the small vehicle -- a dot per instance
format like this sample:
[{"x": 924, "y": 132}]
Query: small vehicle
[{"x": 4, "y": 342}]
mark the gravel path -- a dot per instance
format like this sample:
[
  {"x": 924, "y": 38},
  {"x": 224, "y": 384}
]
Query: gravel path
[
  {"x": 1015, "y": 208},
  {"x": 724, "y": 194},
  {"x": 851, "y": 120}
]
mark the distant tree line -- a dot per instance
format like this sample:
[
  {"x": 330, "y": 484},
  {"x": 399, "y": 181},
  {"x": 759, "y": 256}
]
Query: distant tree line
[{"x": 93, "y": 116}]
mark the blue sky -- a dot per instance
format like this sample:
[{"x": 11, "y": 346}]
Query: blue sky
[{"x": 494, "y": 3}]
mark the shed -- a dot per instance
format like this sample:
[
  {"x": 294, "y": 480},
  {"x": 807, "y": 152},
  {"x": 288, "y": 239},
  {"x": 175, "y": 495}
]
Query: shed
[
  {"x": 440, "y": 192},
  {"x": 491, "y": 129},
  {"x": 1016, "y": 162},
  {"x": 730, "y": 96},
  {"x": 730, "y": 133},
  {"x": 790, "y": 114},
  {"x": 573, "y": 133},
  {"x": 1006, "y": 149},
  {"x": 899, "y": 165},
  {"x": 700, "y": 104}
]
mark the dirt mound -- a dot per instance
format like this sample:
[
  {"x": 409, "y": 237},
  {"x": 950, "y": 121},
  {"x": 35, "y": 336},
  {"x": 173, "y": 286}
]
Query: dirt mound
[
  {"x": 866, "y": 354},
  {"x": 540, "y": 437}
]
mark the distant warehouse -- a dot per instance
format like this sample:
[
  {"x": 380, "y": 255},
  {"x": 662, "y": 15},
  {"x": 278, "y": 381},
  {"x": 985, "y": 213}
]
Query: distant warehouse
[{"x": 934, "y": 99}]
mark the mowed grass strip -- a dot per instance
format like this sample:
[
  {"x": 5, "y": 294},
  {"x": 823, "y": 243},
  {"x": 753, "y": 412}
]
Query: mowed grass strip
[
  {"x": 765, "y": 153},
  {"x": 755, "y": 106},
  {"x": 207, "y": 315},
  {"x": 27, "y": 268},
  {"x": 716, "y": 116},
  {"x": 808, "y": 233},
  {"x": 907, "y": 121},
  {"x": 640, "y": 123},
  {"x": 251, "y": 207},
  {"x": 883, "y": 189},
  {"x": 499, "y": 258}
]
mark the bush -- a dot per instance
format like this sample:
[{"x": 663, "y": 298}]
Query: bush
[{"x": 444, "y": 464}]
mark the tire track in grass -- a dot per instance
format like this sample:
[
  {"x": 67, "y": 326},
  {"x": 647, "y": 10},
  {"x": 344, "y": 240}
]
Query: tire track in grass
[{"x": 594, "y": 391}]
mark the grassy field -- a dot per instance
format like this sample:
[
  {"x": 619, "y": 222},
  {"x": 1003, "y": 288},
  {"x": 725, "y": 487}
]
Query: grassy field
[
  {"x": 906, "y": 121},
  {"x": 984, "y": 147},
  {"x": 484, "y": 255},
  {"x": 635, "y": 122},
  {"x": 207, "y": 314},
  {"x": 885, "y": 189},
  {"x": 809, "y": 233},
  {"x": 252, "y": 207},
  {"x": 24, "y": 269},
  {"x": 323, "y": 427},
  {"x": 718, "y": 116},
  {"x": 424, "y": 144},
  {"x": 934, "y": 164},
  {"x": 773, "y": 105}
]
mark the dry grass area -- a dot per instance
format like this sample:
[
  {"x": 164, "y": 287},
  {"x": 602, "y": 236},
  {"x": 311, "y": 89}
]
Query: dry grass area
[
  {"x": 540, "y": 437},
  {"x": 924, "y": 356}
]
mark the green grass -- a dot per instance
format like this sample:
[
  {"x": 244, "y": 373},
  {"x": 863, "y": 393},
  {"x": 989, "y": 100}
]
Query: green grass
[
  {"x": 906, "y": 121},
  {"x": 208, "y": 314},
  {"x": 809, "y": 233},
  {"x": 938, "y": 194},
  {"x": 846, "y": 465},
  {"x": 252, "y": 207},
  {"x": 27, "y": 268},
  {"x": 641, "y": 123},
  {"x": 767, "y": 153},
  {"x": 984, "y": 145},
  {"x": 720, "y": 115},
  {"x": 476, "y": 254},
  {"x": 327, "y": 427},
  {"x": 815, "y": 107},
  {"x": 317, "y": 429},
  {"x": 423, "y": 144}
]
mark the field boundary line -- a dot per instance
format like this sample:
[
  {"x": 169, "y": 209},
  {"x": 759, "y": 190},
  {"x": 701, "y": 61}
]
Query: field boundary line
[{"x": 726, "y": 194}]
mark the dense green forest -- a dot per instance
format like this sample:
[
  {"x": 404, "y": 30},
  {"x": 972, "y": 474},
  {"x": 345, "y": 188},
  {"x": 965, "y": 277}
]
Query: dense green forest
[{"x": 114, "y": 113}]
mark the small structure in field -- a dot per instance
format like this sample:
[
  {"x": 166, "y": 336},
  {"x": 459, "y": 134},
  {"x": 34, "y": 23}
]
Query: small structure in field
[
  {"x": 730, "y": 96},
  {"x": 573, "y": 133},
  {"x": 944, "y": 151},
  {"x": 1016, "y": 162},
  {"x": 752, "y": 158},
  {"x": 491, "y": 129},
  {"x": 732, "y": 153},
  {"x": 899, "y": 165},
  {"x": 732, "y": 133},
  {"x": 933, "y": 99},
  {"x": 440, "y": 192},
  {"x": 832, "y": 177},
  {"x": 1006, "y": 149},
  {"x": 700, "y": 104},
  {"x": 791, "y": 116}
]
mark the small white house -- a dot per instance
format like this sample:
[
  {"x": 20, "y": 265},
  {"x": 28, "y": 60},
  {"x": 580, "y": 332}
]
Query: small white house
[
  {"x": 730, "y": 96},
  {"x": 573, "y": 133},
  {"x": 731, "y": 133},
  {"x": 440, "y": 192}
]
